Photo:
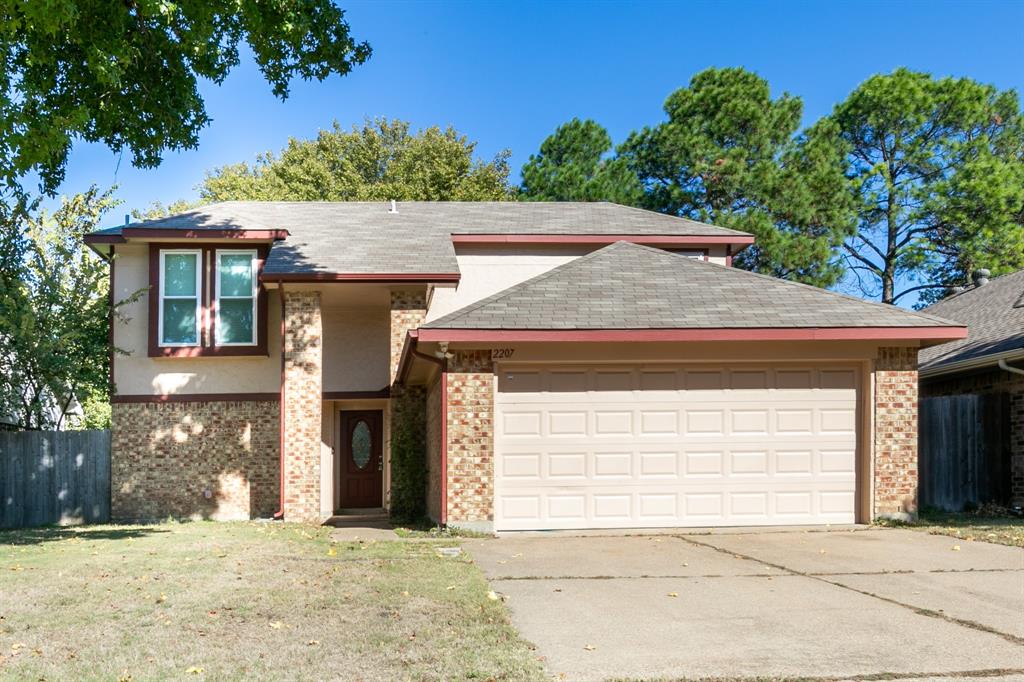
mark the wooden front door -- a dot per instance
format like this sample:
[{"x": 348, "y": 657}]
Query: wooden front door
[{"x": 362, "y": 464}]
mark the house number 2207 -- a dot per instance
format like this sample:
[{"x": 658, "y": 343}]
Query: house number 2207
[{"x": 502, "y": 353}]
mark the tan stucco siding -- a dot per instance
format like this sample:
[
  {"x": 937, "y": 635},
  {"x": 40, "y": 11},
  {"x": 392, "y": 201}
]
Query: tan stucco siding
[
  {"x": 138, "y": 374},
  {"x": 487, "y": 269},
  {"x": 356, "y": 343}
]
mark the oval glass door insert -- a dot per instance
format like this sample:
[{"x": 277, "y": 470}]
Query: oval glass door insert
[{"x": 361, "y": 444}]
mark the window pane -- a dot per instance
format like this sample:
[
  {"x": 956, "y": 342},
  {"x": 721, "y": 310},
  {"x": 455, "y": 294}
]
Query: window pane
[
  {"x": 361, "y": 445},
  {"x": 180, "y": 321},
  {"x": 180, "y": 274},
  {"x": 235, "y": 274},
  {"x": 235, "y": 321}
]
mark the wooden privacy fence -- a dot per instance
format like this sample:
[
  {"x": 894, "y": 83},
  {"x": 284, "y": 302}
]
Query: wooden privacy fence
[
  {"x": 54, "y": 477},
  {"x": 964, "y": 456}
]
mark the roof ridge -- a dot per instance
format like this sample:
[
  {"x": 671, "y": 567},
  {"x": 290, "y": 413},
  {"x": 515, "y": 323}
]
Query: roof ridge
[
  {"x": 504, "y": 293},
  {"x": 779, "y": 280}
]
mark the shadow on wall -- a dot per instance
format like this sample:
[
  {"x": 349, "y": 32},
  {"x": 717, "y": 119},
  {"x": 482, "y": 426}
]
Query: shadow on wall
[{"x": 214, "y": 460}]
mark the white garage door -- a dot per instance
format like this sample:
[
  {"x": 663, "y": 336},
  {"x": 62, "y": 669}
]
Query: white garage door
[{"x": 621, "y": 447}]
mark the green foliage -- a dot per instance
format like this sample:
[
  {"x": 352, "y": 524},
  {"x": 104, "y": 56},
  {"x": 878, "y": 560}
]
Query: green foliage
[
  {"x": 53, "y": 311},
  {"x": 729, "y": 154},
  {"x": 936, "y": 167},
  {"x": 573, "y": 166},
  {"x": 96, "y": 411},
  {"x": 156, "y": 209},
  {"x": 126, "y": 73},
  {"x": 408, "y": 453},
  {"x": 381, "y": 160}
]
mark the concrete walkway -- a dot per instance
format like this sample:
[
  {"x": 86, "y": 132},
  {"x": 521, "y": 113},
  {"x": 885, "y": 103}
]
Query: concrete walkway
[{"x": 838, "y": 604}]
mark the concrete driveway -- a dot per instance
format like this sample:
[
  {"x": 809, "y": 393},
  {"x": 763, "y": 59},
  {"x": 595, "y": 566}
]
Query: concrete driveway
[{"x": 831, "y": 604}]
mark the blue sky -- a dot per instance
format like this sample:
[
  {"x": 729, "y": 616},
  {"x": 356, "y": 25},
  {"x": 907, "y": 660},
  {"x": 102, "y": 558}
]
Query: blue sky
[{"x": 506, "y": 74}]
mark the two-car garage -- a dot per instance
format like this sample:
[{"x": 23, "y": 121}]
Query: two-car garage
[{"x": 665, "y": 445}]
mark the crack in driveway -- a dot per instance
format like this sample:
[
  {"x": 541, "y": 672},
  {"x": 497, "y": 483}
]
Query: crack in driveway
[{"x": 823, "y": 577}]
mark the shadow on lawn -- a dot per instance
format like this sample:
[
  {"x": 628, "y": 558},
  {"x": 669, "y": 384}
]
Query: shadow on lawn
[{"x": 37, "y": 536}]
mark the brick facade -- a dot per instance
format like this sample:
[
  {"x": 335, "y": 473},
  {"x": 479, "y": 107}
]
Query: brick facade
[
  {"x": 994, "y": 380},
  {"x": 895, "y": 447},
  {"x": 471, "y": 439},
  {"x": 211, "y": 460},
  {"x": 303, "y": 348},
  {"x": 433, "y": 451},
  {"x": 408, "y": 310}
]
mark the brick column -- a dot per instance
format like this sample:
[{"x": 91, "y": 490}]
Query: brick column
[
  {"x": 471, "y": 440},
  {"x": 408, "y": 310},
  {"x": 895, "y": 461},
  {"x": 303, "y": 348}
]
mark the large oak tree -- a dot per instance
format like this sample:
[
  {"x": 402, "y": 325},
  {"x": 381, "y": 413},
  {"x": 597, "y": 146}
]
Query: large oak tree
[{"x": 126, "y": 73}]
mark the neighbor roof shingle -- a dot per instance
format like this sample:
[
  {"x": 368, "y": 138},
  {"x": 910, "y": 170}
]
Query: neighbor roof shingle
[
  {"x": 627, "y": 286},
  {"x": 364, "y": 237},
  {"x": 994, "y": 313}
]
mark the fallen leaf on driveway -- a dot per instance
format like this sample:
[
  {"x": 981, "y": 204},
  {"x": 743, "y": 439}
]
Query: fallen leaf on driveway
[
  {"x": 673, "y": 594},
  {"x": 492, "y": 595},
  {"x": 332, "y": 552},
  {"x": 589, "y": 647},
  {"x": 313, "y": 642},
  {"x": 277, "y": 625},
  {"x": 956, "y": 548}
]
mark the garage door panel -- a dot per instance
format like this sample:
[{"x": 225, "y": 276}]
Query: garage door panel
[{"x": 675, "y": 446}]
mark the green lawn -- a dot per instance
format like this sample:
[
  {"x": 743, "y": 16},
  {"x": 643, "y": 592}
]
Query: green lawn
[
  {"x": 972, "y": 527},
  {"x": 224, "y": 601}
]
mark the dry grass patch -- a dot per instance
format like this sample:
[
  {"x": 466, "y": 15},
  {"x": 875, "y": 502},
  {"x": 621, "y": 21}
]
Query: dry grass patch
[
  {"x": 231, "y": 601},
  {"x": 986, "y": 525}
]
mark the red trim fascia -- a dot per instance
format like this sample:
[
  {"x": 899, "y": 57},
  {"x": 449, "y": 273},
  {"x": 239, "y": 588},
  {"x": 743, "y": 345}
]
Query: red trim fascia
[
  {"x": 282, "y": 396},
  {"x": 173, "y": 233},
  {"x": 358, "y": 395},
  {"x": 111, "y": 389},
  {"x": 196, "y": 398},
  {"x": 444, "y": 445},
  {"x": 364, "y": 278},
  {"x": 91, "y": 239},
  {"x": 597, "y": 239},
  {"x": 760, "y": 334}
]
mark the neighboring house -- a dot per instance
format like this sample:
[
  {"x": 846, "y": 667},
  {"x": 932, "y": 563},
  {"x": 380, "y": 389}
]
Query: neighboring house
[
  {"x": 580, "y": 365},
  {"x": 990, "y": 362}
]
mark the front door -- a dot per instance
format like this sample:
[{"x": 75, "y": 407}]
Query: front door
[{"x": 362, "y": 465}]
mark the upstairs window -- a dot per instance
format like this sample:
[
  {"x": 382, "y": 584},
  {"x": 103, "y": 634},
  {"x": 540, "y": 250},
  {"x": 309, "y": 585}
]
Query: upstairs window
[
  {"x": 180, "y": 303},
  {"x": 236, "y": 287},
  {"x": 207, "y": 300}
]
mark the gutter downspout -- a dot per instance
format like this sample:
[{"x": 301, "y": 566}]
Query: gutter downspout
[
  {"x": 279, "y": 514},
  {"x": 1013, "y": 370},
  {"x": 443, "y": 364}
]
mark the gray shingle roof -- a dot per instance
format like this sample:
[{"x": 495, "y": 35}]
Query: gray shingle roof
[
  {"x": 626, "y": 286},
  {"x": 994, "y": 314},
  {"x": 363, "y": 237}
]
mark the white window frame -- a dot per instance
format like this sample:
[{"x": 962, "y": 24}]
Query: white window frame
[
  {"x": 253, "y": 264},
  {"x": 198, "y": 253},
  {"x": 695, "y": 254}
]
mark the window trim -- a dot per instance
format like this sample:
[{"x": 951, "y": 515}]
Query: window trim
[
  {"x": 254, "y": 296},
  {"x": 162, "y": 296},
  {"x": 207, "y": 346}
]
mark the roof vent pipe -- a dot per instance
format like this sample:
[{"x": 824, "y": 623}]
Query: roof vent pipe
[
  {"x": 980, "y": 277},
  {"x": 127, "y": 218},
  {"x": 394, "y": 206}
]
